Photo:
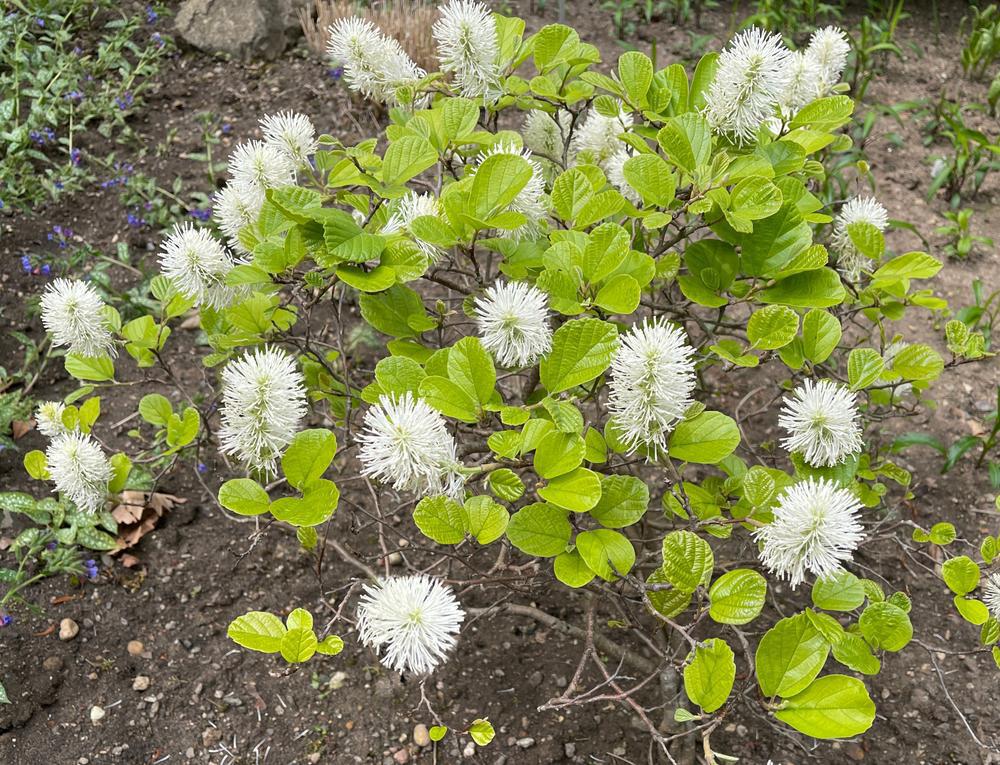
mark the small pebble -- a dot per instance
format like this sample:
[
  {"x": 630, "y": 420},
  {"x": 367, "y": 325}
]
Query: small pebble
[
  {"x": 402, "y": 756},
  {"x": 135, "y": 647},
  {"x": 421, "y": 736},
  {"x": 52, "y": 664},
  {"x": 97, "y": 714},
  {"x": 141, "y": 683},
  {"x": 470, "y": 749},
  {"x": 526, "y": 743},
  {"x": 68, "y": 629}
]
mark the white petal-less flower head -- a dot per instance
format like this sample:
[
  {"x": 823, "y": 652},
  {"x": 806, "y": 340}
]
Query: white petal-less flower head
[
  {"x": 652, "y": 380},
  {"x": 73, "y": 313},
  {"x": 857, "y": 210},
  {"x": 291, "y": 133},
  {"x": 815, "y": 530},
  {"x": 803, "y": 84},
  {"x": 263, "y": 402},
  {"x": 262, "y": 165},
  {"x": 829, "y": 48},
  {"x": 530, "y": 200},
  {"x": 406, "y": 443},
  {"x": 375, "y": 65},
  {"x": 235, "y": 206},
  {"x": 546, "y": 135},
  {"x": 821, "y": 419},
  {"x": 79, "y": 469},
  {"x": 513, "y": 323},
  {"x": 614, "y": 168},
  {"x": 991, "y": 593},
  {"x": 197, "y": 265},
  {"x": 48, "y": 418},
  {"x": 598, "y": 135},
  {"x": 467, "y": 46},
  {"x": 752, "y": 74},
  {"x": 411, "y": 621},
  {"x": 406, "y": 210}
]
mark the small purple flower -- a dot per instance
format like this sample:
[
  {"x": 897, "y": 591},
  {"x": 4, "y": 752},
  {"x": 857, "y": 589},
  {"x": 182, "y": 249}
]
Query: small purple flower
[
  {"x": 151, "y": 15},
  {"x": 226, "y": 128},
  {"x": 202, "y": 467},
  {"x": 40, "y": 22},
  {"x": 46, "y": 269},
  {"x": 77, "y": 50},
  {"x": 5, "y": 620},
  {"x": 158, "y": 39},
  {"x": 202, "y": 214},
  {"x": 91, "y": 566},
  {"x": 336, "y": 73},
  {"x": 124, "y": 101},
  {"x": 75, "y": 156},
  {"x": 59, "y": 184},
  {"x": 74, "y": 95},
  {"x": 51, "y": 545},
  {"x": 1, "y": 204},
  {"x": 26, "y": 264}
]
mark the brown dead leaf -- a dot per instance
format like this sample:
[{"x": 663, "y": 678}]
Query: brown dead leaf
[
  {"x": 20, "y": 427},
  {"x": 47, "y": 631},
  {"x": 58, "y": 600},
  {"x": 138, "y": 513},
  {"x": 129, "y": 560}
]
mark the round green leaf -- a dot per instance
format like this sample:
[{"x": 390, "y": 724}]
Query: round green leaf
[
  {"x": 624, "y": 500},
  {"x": 841, "y": 592},
  {"x": 709, "y": 678},
  {"x": 834, "y": 706},
  {"x": 772, "y": 327},
  {"x": 571, "y": 570},
  {"x": 559, "y": 453},
  {"x": 961, "y": 574},
  {"x": 687, "y": 560},
  {"x": 737, "y": 597},
  {"x": 258, "y": 631},
  {"x": 706, "y": 439},
  {"x": 886, "y": 626},
  {"x": 244, "y": 496},
  {"x": 539, "y": 529},
  {"x": 441, "y": 519},
  {"x": 579, "y": 490},
  {"x": 298, "y": 645},
  {"x": 789, "y": 656},
  {"x": 607, "y": 553}
]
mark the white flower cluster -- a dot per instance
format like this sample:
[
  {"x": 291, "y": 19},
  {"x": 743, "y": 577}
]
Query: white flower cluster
[
  {"x": 263, "y": 402},
  {"x": 411, "y": 620},
  {"x": 513, "y": 323},
  {"x": 406, "y": 210},
  {"x": 375, "y": 65},
  {"x": 758, "y": 79},
  {"x": 48, "y": 418},
  {"x": 467, "y": 46},
  {"x": 815, "y": 529},
  {"x": 545, "y": 134},
  {"x": 858, "y": 210},
  {"x": 991, "y": 593},
  {"x": 406, "y": 443},
  {"x": 197, "y": 264},
  {"x": 79, "y": 469},
  {"x": 822, "y": 423},
  {"x": 652, "y": 379},
  {"x": 73, "y": 313}
]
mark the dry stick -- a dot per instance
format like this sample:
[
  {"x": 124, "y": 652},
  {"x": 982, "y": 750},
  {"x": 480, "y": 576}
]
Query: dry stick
[{"x": 349, "y": 558}]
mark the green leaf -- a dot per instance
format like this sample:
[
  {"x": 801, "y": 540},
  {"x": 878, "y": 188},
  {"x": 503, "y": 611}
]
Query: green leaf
[
  {"x": 911, "y": 265},
  {"x": 482, "y": 732},
  {"x": 620, "y": 294},
  {"x": 754, "y": 198},
  {"x": 441, "y": 519},
  {"x": 406, "y": 157},
  {"x": 706, "y": 439},
  {"x": 298, "y": 645},
  {"x": 308, "y": 456},
  {"x": 737, "y": 597},
  {"x": 623, "y": 501},
  {"x": 687, "y": 560},
  {"x": 821, "y": 332},
  {"x": 852, "y": 651},
  {"x": 961, "y": 574},
  {"x": 650, "y": 175},
  {"x": 635, "y": 71},
  {"x": 390, "y": 312},
  {"x": 571, "y": 192},
  {"x": 448, "y": 398},
  {"x": 834, "y": 706},
  {"x": 155, "y": 409},
  {"x": 864, "y": 365},
  {"x": 331, "y": 645},
  {"x": 918, "y": 362},
  {"x": 244, "y": 497},
  {"x": 258, "y": 631},
  {"x": 669, "y": 602},
  {"x": 708, "y": 679},
  {"x": 973, "y": 611},
  {"x": 299, "y": 618},
  {"x": 540, "y": 529},
  {"x": 607, "y": 553},
  {"x": 571, "y": 570},
  {"x": 840, "y": 592},
  {"x": 438, "y": 732},
  {"x": 820, "y": 288},
  {"x": 772, "y": 327},
  {"x": 471, "y": 368},
  {"x": 578, "y": 490},
  {"x": 824, "y": 114},
  {"x": 506, "y": 484},
  {"x": 886, "y": 626},
  {"x": 182, "y": 430},
  {"x": 581, "y": 350},
  {"x": 485, "y": 519},
  {"x": 317, "y": 504},
  {"x": 687, "y": 140},
  {"x": 558, "y": 453},
  {"x": 96, "y": 368},
  {"x": 789, "y": 656},
  {"x": 774, "y": 242},
  {"x": 308, "y": 537},
  {"x": 36, "y": 464}
]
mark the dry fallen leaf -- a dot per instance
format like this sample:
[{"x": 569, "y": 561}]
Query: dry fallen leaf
[
  {"x": 129, "y": 560},
  {"x": 138, "y": 513},
  {"x": 20, "y": 427}
]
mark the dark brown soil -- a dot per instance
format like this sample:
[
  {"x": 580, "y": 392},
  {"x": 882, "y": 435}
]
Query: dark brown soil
[{"x": 211, "y": 702}]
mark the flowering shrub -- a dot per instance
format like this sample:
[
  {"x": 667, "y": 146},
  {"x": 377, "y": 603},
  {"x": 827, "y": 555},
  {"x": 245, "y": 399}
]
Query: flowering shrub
[{"x": 585, "y": 281}]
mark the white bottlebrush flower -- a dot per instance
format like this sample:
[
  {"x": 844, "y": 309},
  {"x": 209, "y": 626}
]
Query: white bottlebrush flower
[
  {"x": 197, "y": 265},
  {"x": 753, "y": 72},
  {"x": 829, "y": 48},
  {"x": 545, "y": 135},
  {"x": 263, "y": 402},
  {"x": 598, "y": 135},
  {"x": 513, "y": 323},
  {"x": 261, "y": 165},
  {"x": 291, "y": 133},
  {"x": 235, "y": 206},
  {"x": 815, "y": 529},
  {"x": 803, "y": 84},
  {"x": 374, "y": 64},
  {"x": 411, "y": 621},
  {"x": 530, "y": 201},
  {"x": 406, "y": 210},
  {"x": 652, "y": 379},
  {"x": 79, "y": 469},
  {"x": 614, "y": 168},
  {"x": 991, "y": 593},
  {"x": 467, "y": 46},
  {"x": 73, "y": 313},
  {"x": 858, "y": 210},
  {"x": 822, "y": 423},
  {"x": 405, "y": 443},
  {"x": 48, "y": 418}
]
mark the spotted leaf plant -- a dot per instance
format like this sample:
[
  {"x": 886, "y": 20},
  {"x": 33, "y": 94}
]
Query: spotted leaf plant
[{"x": 628, "y": 365}]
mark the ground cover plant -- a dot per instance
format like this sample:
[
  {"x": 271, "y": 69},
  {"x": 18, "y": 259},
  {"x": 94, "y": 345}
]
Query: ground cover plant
[{"x": 589, "y": 285}]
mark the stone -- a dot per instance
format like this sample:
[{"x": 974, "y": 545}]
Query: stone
[
  {"x": 570, "y": 749},
  {"x": 210, "y": 737},
  {"x": 526, "y": 743},
  {"x": 141, "y": 683},
  {"x": 97, "y": 714},
  {"x": 135, "y": 648},
  {"x": 421, "y": 736},
  {"x": 470, "y": 750},
  {"x": 401, "y": 756},
  {"x": 52, "y": 663},
  {"x": 68, "y": 629},
  {"x": 244, "y": 29}
]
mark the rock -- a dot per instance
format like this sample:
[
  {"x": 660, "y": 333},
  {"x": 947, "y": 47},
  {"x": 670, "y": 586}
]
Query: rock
[
  {"x": 470, "y": 750},
  {"x": 52, "y": 663},
  {"x": 526, "y": 743},
  {"x": 68, "y": 629},
  {"x": 135, "y": 648},
  {"x": 141, "y": 683},
  {"x": 570, "y": 749},
  {"x": 536, "y": 678},
  {"x": 97, "y": 714},
  {"x": 855, "y": 752},
  {"x": 210, "y": 736},
  {"x": 338, "y": 680},
  {"x": 244, "y": 29},
  {"x": 401, "y": 756},
  {"x": 421, "y": 736}
]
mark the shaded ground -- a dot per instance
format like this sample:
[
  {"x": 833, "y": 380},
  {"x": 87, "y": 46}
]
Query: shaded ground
[{"x": 209, "y": 702}]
